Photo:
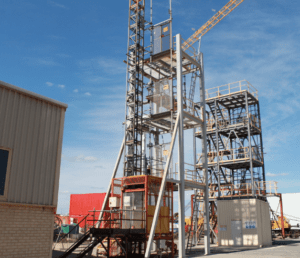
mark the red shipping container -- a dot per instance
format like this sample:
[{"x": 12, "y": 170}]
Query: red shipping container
[{"x": 81, "y": 204}]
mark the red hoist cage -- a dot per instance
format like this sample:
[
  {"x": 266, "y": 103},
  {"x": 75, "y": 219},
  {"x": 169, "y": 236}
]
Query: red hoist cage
[{"x": 137, "y": 197}]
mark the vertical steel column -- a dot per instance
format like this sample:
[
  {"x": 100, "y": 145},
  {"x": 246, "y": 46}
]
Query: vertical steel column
[
  {"x": 204, "y": 161},
  {"x": 181, "y": 206},
  {"x": 144, "y": 161},
  {"x": 171, "y": 58},
  {"x": 217, "y": 145},
  {"x": 281, "y": 215},
  {"x": 249, "y": 141},
  {"x": 195, "y": 191},
  {"x": 261, "y": 146}
]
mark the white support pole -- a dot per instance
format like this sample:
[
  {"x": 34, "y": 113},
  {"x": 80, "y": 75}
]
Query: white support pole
[
  {"x": 195, "y": 225},
  {"x": 161, "y": 191},
  {"x": 204, "y": 161},
  {"x": 181, "y": 206},
  {"x": 144, "y": 165},
  {"x": 111, "y": 180}
]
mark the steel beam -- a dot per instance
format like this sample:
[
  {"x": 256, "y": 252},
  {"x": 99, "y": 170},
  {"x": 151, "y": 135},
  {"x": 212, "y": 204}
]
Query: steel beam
[
  {"x": 204, "y": 161},
  {"x": 217, "y": 145},
  {"x": 249, "y": 142},
  {"x": 181, "y": 206},
  {"x": 109, "y": 186},
  {"x": 185, "y": 55},
  {"x": 192, "y": 118}
]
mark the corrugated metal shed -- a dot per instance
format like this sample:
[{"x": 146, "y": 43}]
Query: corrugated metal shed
[{"x": 32, "y": 128}]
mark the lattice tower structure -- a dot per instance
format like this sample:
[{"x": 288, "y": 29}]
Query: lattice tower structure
[
  {"x": 234, "y": 136},
  {"x": 135, "y": 85}
]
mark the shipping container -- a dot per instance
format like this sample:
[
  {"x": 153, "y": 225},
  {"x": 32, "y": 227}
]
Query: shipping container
[{"x": 81, "y": 204}]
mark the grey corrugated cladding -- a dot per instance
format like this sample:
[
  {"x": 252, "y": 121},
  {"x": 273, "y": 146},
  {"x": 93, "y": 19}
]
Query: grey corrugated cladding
[{"x": 32, "y": 127}]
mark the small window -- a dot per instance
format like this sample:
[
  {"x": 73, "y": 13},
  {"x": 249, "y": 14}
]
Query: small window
[{"x": 4, "y": 171}]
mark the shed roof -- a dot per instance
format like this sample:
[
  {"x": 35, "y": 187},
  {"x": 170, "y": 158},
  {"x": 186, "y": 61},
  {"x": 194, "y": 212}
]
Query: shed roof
[{"x": 32, "y": 94}]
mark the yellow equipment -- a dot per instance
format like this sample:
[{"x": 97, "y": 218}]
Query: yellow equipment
[
  {"x": 228, "y": 8},
  {"x": 277, "y": 223}
]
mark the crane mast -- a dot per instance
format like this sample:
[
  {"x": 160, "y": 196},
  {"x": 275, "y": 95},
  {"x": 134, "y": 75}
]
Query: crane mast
[
  {"x": 228, "y": 8},
  {"x": 134, "y": 91}
]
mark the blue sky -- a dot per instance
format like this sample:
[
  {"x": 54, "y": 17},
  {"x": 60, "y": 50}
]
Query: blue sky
[{"x": 73, "y": 51}]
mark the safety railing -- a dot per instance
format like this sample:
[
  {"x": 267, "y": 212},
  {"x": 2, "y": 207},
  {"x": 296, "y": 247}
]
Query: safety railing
[
  {"x": 231, "y": 88},
  {"x": 62, "y": 236},
  {"x": 263, "y": 188},
  {"x": 190, "y": 173},
  {"x": 236, "y": 121},
  {"x": 241, "y": 153},
  {"x": 122, "y": 218}
]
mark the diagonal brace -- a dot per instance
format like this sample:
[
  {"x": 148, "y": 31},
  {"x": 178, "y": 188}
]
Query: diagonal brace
[
  {"x": 109, "y": 186},
  {"x": 161, "y": 191}
]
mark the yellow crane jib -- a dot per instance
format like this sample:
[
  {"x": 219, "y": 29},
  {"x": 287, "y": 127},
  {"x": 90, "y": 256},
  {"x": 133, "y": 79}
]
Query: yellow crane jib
[{"x": 228, "y": 8}]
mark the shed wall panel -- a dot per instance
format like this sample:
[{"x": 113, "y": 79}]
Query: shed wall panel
[
  {"x": 244, "y": 210},
  {"x": 30, "y": 127},
  {"x": 266, "y": 224}
]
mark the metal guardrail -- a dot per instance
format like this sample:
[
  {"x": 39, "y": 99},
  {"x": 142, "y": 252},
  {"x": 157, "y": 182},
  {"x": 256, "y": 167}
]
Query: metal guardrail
[
  {"x": 241, "y": 153},
  {"x": 61, "y": 236},
  {"x": 231, "y": 88},
  {"x": 190, "y": 173},
  {"x": 263, "y": 188},
  {"x": 122, "y": 218}
]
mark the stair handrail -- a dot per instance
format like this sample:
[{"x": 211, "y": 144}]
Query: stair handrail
[{"x": 68, "y": 232}]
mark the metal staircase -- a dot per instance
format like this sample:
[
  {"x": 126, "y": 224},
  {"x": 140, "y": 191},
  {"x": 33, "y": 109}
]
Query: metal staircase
[
  {"x": 194, "y": 224},
  {"x": 82, "y": 246}
]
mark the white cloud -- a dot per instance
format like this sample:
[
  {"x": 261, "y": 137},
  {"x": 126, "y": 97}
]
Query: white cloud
[
  {"x": 42, "y": 61},
  {"x": 80, "y": 158},
  {"x": 274, "y": 175},
  {"x": 64, "y": 192},
  {"x": 49, "y": 84},
  {"x": 76, "y": 90},
  {"x": 88, "y": 94},
  {"x": 213, "y": 10},
  {"x": 89, "y": 158},
  {"x": 100, "y": 69},
  {"x": 57, "y": 4},
  {"x": 61, "y": 86}
]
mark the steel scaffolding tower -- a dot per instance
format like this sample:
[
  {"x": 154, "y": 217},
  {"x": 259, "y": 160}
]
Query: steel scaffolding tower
[
  {"x": 234, "y": 136},
  {"x": 142, "y": 200},
  {"x": 135, "y": 86}
]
